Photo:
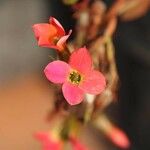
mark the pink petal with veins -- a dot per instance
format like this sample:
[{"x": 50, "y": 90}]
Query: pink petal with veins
[
  {"x": 57, "y": 71},
  {"x": 72, "y": 93},
  {"x": 93, "y": 83},
  {"x": 81, "y": 61}
]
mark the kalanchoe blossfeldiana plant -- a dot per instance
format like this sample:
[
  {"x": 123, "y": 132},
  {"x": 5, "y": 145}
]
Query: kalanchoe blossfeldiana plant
[
  {"x": 77, "y": 76},
  {"x": 96, "y": 23},
  {"x": 51, "y": 35}
]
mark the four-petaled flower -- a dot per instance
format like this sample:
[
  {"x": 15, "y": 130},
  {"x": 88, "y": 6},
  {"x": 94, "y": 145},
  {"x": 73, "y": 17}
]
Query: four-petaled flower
[
  {"x": 51, "y": 35},
  {"x": 77, "y": 77}
]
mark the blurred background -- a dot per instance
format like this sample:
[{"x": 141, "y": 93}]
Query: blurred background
[{"x": 25, "y": 95}]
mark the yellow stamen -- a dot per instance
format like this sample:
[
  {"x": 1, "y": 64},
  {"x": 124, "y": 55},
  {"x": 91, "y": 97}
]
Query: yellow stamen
[{"x": 75, "y": 77}]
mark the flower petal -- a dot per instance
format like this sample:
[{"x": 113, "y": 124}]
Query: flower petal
[
  {"x": 56, "y": 23},
  {"x": 44, "y": 42},
  {"x": 81, "y": 60},
  {"x": 57, "y": 71},
  {"x": 94, "y": 83},
  {"x": 72, "y": 93},
  {"x": 44, "y": 29},
  {"x": 44, "y": 32},
  {"x": 62, "y": 40}
]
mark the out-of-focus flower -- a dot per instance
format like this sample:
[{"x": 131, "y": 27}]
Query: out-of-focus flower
[
  {"x": 112, "y": 132},
  {"x": 77, "y": 77},
  {"x": 118, "y": 137},
  {"x": 51, "y": 35},
  {"x": 77, "y": 145},
  {"x": 48, "y": 142}
]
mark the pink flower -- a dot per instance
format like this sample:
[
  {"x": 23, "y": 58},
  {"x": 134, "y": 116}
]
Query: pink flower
[
  {"x": 77, "y": 77},
  {"x": 48, "y": 142},
  {"x": 118, "y": 137},
  {"x": 77, "y": 145},
  {"x": 51, "y": 35}
]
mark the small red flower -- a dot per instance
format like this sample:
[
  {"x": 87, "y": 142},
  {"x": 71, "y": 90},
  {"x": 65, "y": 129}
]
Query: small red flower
[
  {"x": 51, "y": 35},
  {"x": 48, "y": 142},
  {"x": 77, "y": 77},
  {"x": 118, "y": 137}
]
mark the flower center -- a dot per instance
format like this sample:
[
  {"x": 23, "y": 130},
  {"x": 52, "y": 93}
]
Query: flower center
[{"x": 75, "y": 77}]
